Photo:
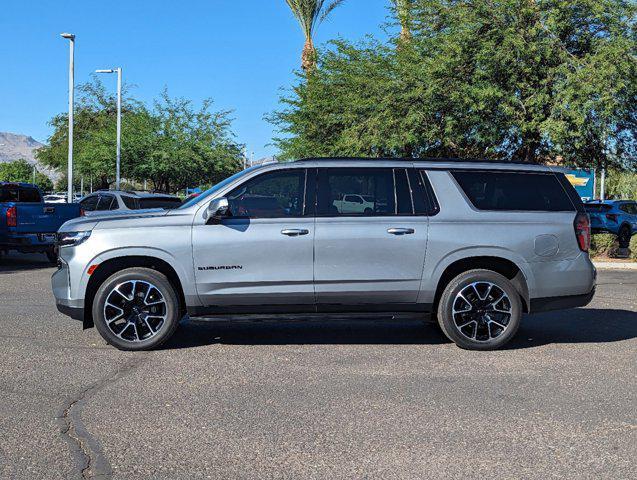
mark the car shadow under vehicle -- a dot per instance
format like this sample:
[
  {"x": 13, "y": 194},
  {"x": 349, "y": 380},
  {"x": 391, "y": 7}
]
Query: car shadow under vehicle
[{"x": 586, "y": 325}]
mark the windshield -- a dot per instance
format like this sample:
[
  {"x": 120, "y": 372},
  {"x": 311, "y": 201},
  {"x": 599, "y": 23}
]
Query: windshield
[{"x": 217, "y": 187}]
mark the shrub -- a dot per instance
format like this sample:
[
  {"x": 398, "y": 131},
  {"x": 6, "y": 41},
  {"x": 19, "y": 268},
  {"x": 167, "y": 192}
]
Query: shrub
[{"x": 602, "y": 243}]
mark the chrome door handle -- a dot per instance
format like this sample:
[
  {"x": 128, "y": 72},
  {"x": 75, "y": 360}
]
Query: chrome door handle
[
  {"x": 294, "y": 232},
  {"x": 401, "y": 231}
]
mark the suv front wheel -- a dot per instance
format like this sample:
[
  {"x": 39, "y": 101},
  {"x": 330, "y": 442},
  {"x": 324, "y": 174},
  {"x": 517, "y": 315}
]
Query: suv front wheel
[
  {"x": 136, "y": 309},
  {"x": 480, "y": 310}
]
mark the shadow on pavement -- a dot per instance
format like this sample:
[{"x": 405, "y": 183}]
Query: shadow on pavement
[
  {"x": 303, "y": 330},
  {"x": 588, "y": 325},
  {"x": 17, "y": 262}
]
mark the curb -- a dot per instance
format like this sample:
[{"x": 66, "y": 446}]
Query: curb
[{"x": 615, "y": 265}]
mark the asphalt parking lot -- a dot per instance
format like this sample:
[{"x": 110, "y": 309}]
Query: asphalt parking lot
[{"x": 314, "y": 398}]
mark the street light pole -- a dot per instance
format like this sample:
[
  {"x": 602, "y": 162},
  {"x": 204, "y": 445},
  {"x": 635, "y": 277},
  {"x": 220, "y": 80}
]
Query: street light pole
[
  {"x": 119, "y": 121},
  {"x": 71, "y": 38}
]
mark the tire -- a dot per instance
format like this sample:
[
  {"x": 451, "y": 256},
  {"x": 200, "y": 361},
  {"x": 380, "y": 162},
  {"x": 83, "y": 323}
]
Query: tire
[
  {"x": 623, "y": 236},
  {"x": 368, "y": 211},
  {"x": 52, "y": 256},
  {"x": 471, "y": 311},
  {"x": 143, "y": 309}
]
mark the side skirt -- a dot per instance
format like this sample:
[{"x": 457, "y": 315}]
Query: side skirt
[{"x": 323, "y": 308}]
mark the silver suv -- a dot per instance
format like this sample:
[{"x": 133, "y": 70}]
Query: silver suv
[{"x": 476, "y": 244}]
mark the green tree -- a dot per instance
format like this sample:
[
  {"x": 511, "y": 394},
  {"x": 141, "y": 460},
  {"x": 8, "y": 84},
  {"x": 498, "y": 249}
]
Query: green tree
[
  {"x": 172, "y": 144},
  {"x": 22, "y": 171},
  {"x": 187, "y": 146},
  {"x": 309, "y": 14},
  {"x": 530, "y": 80}
]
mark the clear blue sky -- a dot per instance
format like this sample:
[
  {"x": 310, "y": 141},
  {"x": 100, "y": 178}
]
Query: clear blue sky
[{"x": 240, "y": 53}]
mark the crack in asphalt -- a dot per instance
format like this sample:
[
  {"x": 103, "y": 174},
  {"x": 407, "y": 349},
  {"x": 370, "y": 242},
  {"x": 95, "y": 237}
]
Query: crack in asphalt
[{"x": 88, "y": 457}]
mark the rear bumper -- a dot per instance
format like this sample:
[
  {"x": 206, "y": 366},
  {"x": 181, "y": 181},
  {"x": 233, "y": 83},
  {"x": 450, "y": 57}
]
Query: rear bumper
[
  {"x": 547, "y": 304},
  {"x": 26, "y": 242}
]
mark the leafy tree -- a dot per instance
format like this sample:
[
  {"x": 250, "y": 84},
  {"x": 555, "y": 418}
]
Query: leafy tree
[
  {"x": 309, "y": 14},
  {"x": 22, "y": 171},
  {"x": 172, "y": 145},
  {"x": 530, "y": 80},
  {"x": 187, "y": 147}
]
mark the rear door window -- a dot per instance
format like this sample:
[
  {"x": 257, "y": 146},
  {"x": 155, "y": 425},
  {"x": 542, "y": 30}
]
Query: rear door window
[
  {"x": 378, "y": 192},
  {"x": 131, "y": 202},
  {"x": 520, "y": 191}
]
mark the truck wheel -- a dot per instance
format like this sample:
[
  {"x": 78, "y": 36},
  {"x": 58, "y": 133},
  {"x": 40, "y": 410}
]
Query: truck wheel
[
  {"x": 136, "y": 309},
  {"x": 52, "y": 256},
  {"x": 623, "y": 236},
  {"x": 480, "y": 310}
]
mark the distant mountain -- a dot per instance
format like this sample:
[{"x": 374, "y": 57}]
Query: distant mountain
[{"x": 14, "y": 146}]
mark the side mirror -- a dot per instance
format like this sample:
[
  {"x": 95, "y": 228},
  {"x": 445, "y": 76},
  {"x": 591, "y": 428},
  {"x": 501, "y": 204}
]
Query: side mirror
[{"x": 217, "y": 209}]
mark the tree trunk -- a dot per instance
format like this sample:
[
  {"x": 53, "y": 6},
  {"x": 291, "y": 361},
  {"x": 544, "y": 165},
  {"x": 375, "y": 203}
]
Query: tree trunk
[
  {"x": 405, "y": 32},
  {"x": 308, "y": 57}
]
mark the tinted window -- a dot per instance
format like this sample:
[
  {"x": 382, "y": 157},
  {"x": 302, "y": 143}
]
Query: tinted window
[
  {"x": 374, "y": 188},
  {"x": 364, "y": 191},
  {"x": 514, "y": 191},
  {"x": 159, "y": 202},
  {"x": 15, "y": 193},
  {"x": 105, "y": 203},
  {"x": 597, "y": 208},
  {"x": 130, "y": 202},
  {"x": 629, "y": 208},
  {"x": 271, "y": 195},
  {"x": 89, "y": 203}
]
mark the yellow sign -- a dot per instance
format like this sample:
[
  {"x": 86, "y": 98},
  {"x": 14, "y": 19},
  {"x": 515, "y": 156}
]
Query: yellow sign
[{"x": 577, "y": 181}]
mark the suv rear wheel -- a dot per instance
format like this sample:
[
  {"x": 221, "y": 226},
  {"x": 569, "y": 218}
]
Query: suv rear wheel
[
  {"x": 136, "y": 309},
  {"x": 480, "y": 310}
]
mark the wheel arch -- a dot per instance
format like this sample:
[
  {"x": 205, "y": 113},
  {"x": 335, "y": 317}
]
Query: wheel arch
[
  {"x": 496, "y": 263},
  {"x": 116, "y": 264}
]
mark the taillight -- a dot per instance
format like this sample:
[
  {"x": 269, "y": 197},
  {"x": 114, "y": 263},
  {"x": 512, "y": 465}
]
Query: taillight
[
  {"x": 82, "y": 212},
  {"x": 612, "y": 217},
  {"x": 12, "y": 217},
  {"x": 583, "y": 231}
]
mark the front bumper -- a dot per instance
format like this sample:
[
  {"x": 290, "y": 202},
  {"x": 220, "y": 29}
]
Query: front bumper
[
  {"x": 76, "y": 313},
  {"x": 61, "y": 285}
]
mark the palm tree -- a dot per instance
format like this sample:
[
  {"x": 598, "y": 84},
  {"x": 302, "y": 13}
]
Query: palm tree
[
  {"x": 310, "y": 13},
  {"x": 403, "y": 10}
]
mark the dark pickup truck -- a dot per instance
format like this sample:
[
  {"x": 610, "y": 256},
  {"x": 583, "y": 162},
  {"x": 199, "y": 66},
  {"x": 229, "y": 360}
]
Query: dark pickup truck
[{"x": 27, "y": 224}]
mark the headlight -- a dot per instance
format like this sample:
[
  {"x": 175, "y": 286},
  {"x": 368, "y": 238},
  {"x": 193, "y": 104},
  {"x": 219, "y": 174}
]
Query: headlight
[{"x": 71, "y": 239}]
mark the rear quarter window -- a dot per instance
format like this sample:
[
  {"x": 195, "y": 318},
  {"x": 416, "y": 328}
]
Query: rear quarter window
[
  {"x": 520, "y": 191},
  {"x": 167, "y": 203},
  {"x": 16, "y": 193}
]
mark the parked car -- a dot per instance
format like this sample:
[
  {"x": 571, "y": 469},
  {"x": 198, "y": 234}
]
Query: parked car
[
  {"x": 618, "y": 217},
  {"x": 477, "y": 244},
  {"x": 27, "y": 223},
  {"x": 55, "y": 198},
  {"x": 112, "y": 201}
]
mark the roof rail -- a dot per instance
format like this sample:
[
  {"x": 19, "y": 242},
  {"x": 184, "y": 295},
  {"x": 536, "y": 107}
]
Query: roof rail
[{"x": 423, "y": 159}]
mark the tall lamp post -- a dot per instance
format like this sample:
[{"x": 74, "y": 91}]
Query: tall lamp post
[
  {"x": 119, "y": 119},
  {"x": 71, "y": 38}
]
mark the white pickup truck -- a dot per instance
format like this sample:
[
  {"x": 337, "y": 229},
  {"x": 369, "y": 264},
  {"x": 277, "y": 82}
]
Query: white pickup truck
[{"x": 355, "y": 203}]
